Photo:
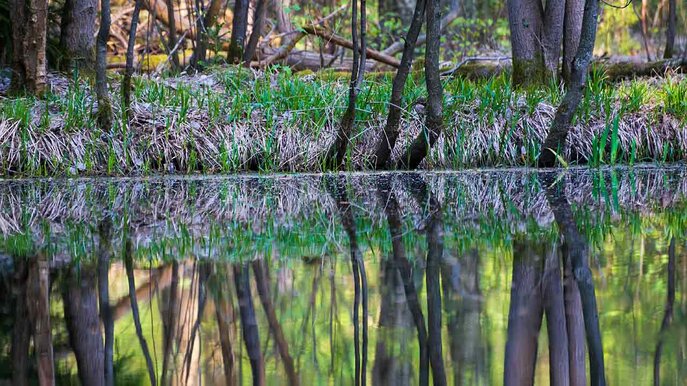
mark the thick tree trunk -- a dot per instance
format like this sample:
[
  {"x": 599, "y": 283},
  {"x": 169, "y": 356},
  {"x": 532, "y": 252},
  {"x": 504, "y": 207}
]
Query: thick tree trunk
[
  {"x": 434, "y": 120},
  {"x": 80, "y": 298},
  {"x": 238, "y": 32},
  {"x": 38, "y": 304},
  {"x": 574, "y": 323},
  {"x": 21, "y": 331},
  {"x": 574, "y": 9},
  {"x": 577, "y": 253},
  {"x": 387, "y": 141},
  {"x": 524, "y": 315},
  {"x": 29, "y": 20},
  {"x": 555, "y": 141},
  {"x": 670, "y": 29},
  {"x": 171, "y": 23},
  {"x": 525, "y": 18},
  {"x": 104, "y": 103},
  {"x": 554, "y": 309},
  {"x": 554, "y": 20},
  {"x": 77, "y": 34}
]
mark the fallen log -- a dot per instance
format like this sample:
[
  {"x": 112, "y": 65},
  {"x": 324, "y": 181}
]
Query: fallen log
[{"x": 339, "y": 41}]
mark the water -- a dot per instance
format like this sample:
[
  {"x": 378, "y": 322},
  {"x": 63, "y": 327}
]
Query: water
[{"x": 473, "y": 278}]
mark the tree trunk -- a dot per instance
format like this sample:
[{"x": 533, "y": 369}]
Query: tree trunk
[
  {"x": 171, "y": 23},
  {"x": 83, "y": 324},
  {"x": 21, "y": 331},
  {"x": 104, "y": 255},
  {"x": 29, "y": 28},
  {"x": 129, "y": 71},
  {"x": 572, "y": 28},
  {"x": 256, "y": 33},
  {"x": 554, "y": 20},
  {"x": 577, "y": 253},
  {"x": 238, "y": 31},
  {"x": 670, "y": 29},
  {"x": 249, "y": 325},
  {"x": 77, "y": 35},
  {"x": 202, "y": 24},
  {"x": 38, "y": 304},
  {"x": 104, "y": 104},
  {"x": 434, "y": 120},
  {"x": 129, "y": 265},
  {"x": 525, "y": 18},
  {"x": 524, "y": 315},
  {"x": 170, "y": 313},
  {"x": 224, "y": 314},
  {"x": 554, "y": 309},
  {"x": 574, "y": 323},
  {"x": 555, "y": 140},
  {"x": 387, "y": 140},
  {"x": 261, "y": 281}
]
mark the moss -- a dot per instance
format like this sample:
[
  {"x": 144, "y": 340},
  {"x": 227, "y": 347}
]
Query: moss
[{"x": 527, "y": 73}]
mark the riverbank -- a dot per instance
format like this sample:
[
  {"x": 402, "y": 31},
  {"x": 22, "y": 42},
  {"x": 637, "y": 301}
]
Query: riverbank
[{"x": 232, "y": 120}]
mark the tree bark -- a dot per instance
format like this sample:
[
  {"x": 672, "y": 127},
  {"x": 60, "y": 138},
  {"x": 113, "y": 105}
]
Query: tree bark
[
  {"x": 77, "y": 35},
  {"x": 249, "y": 326},
  {"x": 129, "y": 71},
  {"x": 670, "y": 29},
  {"x": 334, "y": 157},
  {"x": 525, "y": 18},
  {"x": 434, "y": 120},
  {"x": 29, "y": 30},
  {"x": 238, "y": 31},
  {"x": 21, "y": 331},
  {"x": 256, "y": 33},
  {"x": 577, "y": 253},
  {"x": 104, "y": 255},
  {"x": 83, "y": 324},
  {"x": 387, "y": 140},
  {"x": 171, "y": 23},
  {"x": 104, "y": 104},
  {"x": 38, "y": 304},
  {"x": 572, "y": 28},
  {"x": 558, "y": 133},
  {"x": 129, "y": 266}
]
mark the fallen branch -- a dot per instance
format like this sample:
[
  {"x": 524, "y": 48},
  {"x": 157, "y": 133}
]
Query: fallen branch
[{"x": 339, "y": 41}]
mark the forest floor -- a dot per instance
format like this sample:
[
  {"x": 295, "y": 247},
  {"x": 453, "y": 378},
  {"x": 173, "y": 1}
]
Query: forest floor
[{"x": 235, "y": 119}]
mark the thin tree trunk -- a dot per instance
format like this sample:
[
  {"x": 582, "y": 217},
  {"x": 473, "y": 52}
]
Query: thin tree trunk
[
  {"x": 668, "y": 312},
  {"x": 335, "y": 156},
  {"x": 554, "y": 21},
  {"x": 29, "y": 20},
  {"x": 104, "y": 254},
  {"x": 104, "y": 104},
  {"x": 261, "y": 281},
  {"x": 578, "y": 251},
  {"x": 238, "y": 32},
  {"x": 202, "y": 24},
  {"x": 83, "y": 324},
  {"x": 558, "y": 133},
  {"x": 249, "y": 326},
  {"x": 171, "y": 23},
  {"x": 434, "y": 124},
  {"x": 38, "y": 304},
  {"x": 224, "y": 314},
  {"x": 256, "y": 33},
  {"x": 77, "y": 35},
  {"x": 21, "y": 331},
  {"x": 169, "y": 317},
  {"x": 129, "y": 265},
  {"x": 129, "y": 71},
  {"x": 670, "y": 29},
  {"x": 387, "y": 140}
]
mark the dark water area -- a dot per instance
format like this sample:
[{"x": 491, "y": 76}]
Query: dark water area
[{"x": 475, "y": 278}]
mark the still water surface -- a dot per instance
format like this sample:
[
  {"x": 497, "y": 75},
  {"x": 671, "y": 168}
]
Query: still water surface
[{"x": 474, "y": 278}]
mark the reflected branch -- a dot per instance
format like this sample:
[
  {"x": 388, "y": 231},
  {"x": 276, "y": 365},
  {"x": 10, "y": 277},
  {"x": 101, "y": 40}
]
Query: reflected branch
[
  {"x": 668, "y": 313},
  {"x": 129, "y": 265}
]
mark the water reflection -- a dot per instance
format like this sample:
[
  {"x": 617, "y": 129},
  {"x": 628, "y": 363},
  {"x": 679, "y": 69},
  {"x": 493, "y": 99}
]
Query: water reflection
[{"x": 476, "y": 278}]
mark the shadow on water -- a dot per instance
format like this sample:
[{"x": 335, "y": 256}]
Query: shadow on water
[{"x": 473, "y": 278}]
